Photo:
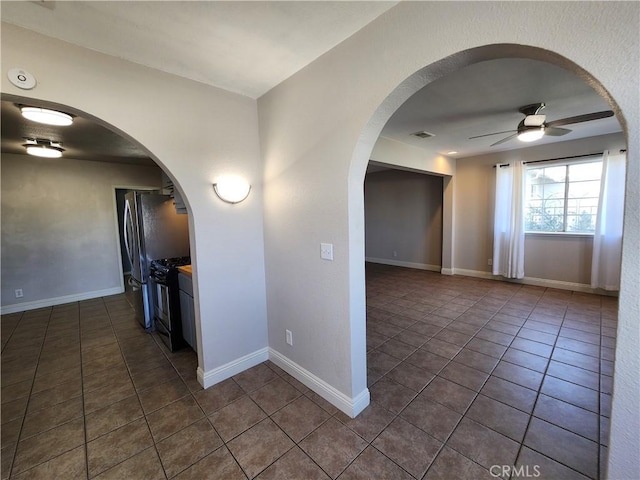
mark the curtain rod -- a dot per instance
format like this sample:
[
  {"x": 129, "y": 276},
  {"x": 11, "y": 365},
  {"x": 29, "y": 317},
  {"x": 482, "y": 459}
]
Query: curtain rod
[{"x": 561, "y": 158}]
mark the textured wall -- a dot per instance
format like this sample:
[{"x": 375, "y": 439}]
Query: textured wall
[
  {"x": 317, "y": 131},
  {"x": 195, "y": 132},
  {"x": 319, "y": 127},
  {"x": 403, "y": 214},
  {"x": 552, "y": 257},
  {"x": 59, "y": 231}
]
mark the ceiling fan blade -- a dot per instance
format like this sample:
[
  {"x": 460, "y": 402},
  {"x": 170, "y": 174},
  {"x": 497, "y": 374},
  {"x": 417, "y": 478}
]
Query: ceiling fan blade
[
  {"x": 534, "y": 120},
  {"x": 506, "y": 139},
  {"x": 556, "y": 132},
  {"x": 489, "y": 134},
  {"x": 581, "y": 118}
]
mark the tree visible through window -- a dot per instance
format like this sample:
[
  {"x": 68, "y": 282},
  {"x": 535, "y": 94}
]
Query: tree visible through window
[{"x": 562, "y": 198}]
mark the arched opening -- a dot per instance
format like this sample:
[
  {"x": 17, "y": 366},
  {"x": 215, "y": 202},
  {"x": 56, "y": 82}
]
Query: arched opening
[
  {"x": 359, "y": 306},
  {"x": 78, "y": 250}
]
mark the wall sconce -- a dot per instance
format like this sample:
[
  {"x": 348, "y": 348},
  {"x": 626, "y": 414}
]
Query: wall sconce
[{"x": 232, "y": 189}]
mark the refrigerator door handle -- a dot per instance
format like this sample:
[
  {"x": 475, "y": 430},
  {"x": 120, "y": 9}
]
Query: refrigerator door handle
[{"x": 127, "y": 222}]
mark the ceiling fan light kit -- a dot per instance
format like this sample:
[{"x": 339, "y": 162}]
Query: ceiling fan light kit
[{"x": 530, "y": 134}]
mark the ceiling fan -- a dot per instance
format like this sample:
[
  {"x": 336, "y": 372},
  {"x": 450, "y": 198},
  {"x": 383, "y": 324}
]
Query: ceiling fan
[{"x": 534, "y": 126}]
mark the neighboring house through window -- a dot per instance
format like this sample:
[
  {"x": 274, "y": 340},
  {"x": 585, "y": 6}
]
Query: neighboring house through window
[{"x": 562, "y": 197}]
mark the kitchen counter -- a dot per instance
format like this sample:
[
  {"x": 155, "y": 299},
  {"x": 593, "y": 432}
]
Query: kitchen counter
[{"x": 186, "y": 269}]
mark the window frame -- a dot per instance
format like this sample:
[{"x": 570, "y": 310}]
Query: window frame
[{"x": 559, "y": 163}]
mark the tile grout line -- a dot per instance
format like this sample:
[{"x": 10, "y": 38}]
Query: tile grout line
[
  {"x": 12, "y": 331},
  {"x": 144, "y": 414},
  {"x": 568, "y": 302},
  {"x": 477, "y": 393},
  {"x": 437, "y": 375},
  {"x": 539, "y": 390},
  {"x": 396, "y": 415},
  {"x": 84, "y": 414},
  {"x": 33, "y": 380}
]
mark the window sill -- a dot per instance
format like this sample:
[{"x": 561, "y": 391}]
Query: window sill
[{"x": 558, "y": 234}]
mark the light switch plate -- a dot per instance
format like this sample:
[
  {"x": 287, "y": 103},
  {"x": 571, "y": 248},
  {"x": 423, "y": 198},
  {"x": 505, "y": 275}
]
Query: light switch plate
[{"x": 326, "y": 251}]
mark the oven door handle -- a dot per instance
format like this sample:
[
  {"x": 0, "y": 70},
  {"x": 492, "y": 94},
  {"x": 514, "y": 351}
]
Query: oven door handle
[{"x": 162, "y": 294}]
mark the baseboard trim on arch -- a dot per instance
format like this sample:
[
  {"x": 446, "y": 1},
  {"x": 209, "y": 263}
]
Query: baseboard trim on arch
[
  {"x": 211, "y": 377},
  {"x": 351, "y": 406}
]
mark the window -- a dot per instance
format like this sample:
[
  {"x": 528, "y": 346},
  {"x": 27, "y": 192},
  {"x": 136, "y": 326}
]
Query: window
[{"x": 562, "y": 198}]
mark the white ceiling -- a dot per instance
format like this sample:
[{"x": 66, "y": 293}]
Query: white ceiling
[
  {"x": 243, "y": 47},
  {"x": 249, "y": 47}
]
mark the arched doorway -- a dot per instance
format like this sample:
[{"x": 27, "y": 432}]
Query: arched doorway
[
  {"x": 61, "y": 213},
  {"x": 400, "y": 95}
]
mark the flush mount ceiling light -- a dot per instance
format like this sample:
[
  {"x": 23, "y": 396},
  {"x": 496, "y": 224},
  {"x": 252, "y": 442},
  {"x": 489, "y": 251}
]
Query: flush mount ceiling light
[
  {"x": 43, "y": 148},
  {"x": 232, "y": 189},
  {"x": 49, "y": 117}
]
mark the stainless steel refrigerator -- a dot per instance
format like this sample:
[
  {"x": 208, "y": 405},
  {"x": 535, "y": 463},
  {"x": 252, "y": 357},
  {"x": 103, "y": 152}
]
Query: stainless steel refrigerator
[{"x": 152, "y": 230}]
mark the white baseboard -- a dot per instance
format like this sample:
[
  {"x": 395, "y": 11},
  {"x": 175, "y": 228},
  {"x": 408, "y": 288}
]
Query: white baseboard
[
  {"x": 537, "y": 282},
  {"x": 351, "y": 406},
  {"x": 399, "y": 263},
  {"x": 447, "y": 271},
  {"x": 475, "y": 274},
  {"x": 50, "y": 302},
  {"x": 217, "y": 375}
]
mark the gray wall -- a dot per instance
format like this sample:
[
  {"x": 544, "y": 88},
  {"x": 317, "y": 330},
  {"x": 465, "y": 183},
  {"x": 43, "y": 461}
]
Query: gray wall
[
  {"x": 403, "y": 214},
  {"x": 565, "y": 258},
  {"x": 59, "y": 231}
]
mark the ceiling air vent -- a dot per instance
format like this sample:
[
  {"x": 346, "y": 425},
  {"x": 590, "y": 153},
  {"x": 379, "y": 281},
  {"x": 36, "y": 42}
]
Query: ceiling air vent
[{"x": 423, "y": 134}]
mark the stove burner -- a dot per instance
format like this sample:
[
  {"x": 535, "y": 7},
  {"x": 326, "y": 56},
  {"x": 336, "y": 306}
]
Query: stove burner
[{"x": 173, "y": 262}]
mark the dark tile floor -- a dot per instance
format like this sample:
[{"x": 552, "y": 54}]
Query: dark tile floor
[{"x": 464, "y": 374}]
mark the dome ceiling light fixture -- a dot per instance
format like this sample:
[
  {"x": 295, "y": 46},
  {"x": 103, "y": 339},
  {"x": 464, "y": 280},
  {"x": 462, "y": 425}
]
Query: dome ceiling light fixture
[
  {"x": 46, "y": 116},
  {"x": 43, "y": 148}
]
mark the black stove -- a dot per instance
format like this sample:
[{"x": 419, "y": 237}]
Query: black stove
[
  {"x": 173, "y": 262},
  {"x": 164, "y": 274},
  {"x": 166, "y": 264}
]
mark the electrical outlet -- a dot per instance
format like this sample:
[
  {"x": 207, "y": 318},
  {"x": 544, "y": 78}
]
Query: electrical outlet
[
  {"x": 289, "y": 337},
  {"x": 490, "y": 262},
  {"x": 395, "y": 254},
  {"x": 19, "y": 293},
  {"x": 326, "y": 251}
]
